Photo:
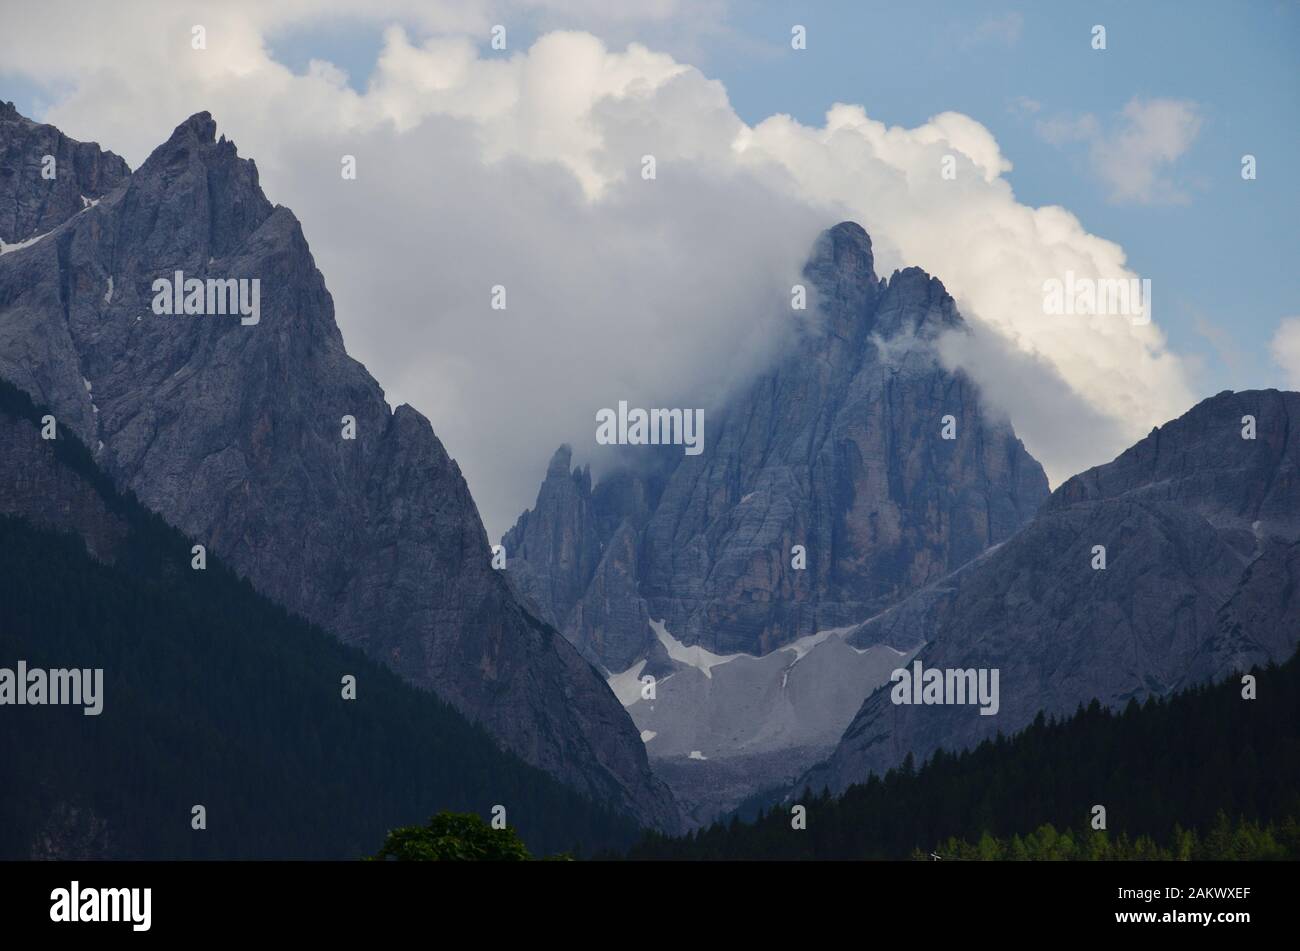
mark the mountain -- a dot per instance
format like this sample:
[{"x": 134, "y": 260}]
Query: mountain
[
  {"x": 1201, "y": 531},
  {"x": 212, "y": 695},
  {"x": 232, "y": 428},
  {"x": 683, "y": 566},
  {"x": 1170, "y": 772},
  {"x": 46, "y": 178}
]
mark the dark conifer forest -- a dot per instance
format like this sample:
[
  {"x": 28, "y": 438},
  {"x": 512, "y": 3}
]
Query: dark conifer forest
[
  {"x": 1201, "y": 774},
  {"x": 215, "y": 696}
]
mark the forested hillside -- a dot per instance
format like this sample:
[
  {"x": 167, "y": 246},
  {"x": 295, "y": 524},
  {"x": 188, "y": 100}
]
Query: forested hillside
[
  {"x": 215, "y": 696},
  {"x": 1196, "y": 774}
]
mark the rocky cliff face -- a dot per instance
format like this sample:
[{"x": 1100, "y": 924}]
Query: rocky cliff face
[
  {"x": 233, "y": 431},
  {"x": 839, "y": 449},
  {"x": 46, "y": 178},
  {"x": 1201, "y": 530},
  {"x": 553, "y": 564}
]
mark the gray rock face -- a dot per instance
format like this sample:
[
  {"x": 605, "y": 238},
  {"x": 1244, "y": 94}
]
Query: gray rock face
[
  {"x": 1202, "y": 536},
  {"x": 233, "y": 433},
  {"x": 34, "y": 203},
  {"x": 838, "y": 449},
  {"x": 551, "y": 569}
]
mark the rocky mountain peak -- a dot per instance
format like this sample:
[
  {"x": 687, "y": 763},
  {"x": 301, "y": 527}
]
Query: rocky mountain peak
[
  {"x": 841, "y": 270},
  {"x": 47, "y": 178},
  {"x": 231, "y": 429},
  {"x": 200, "y": 128},
  {"x": 197, "y": 189},
  {"x": 561, "y": 461},
  {"x": 855, "y": 304},
  {"x": 916, "y": 303},
  {"x": 825, "y": 492},
  {"x": 826, "y": 451},
  {"x": 845, "y": 250},
  {"x": 198, "y": 134}
]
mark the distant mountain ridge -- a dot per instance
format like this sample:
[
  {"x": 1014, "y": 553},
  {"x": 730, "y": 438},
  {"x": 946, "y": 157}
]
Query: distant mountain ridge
[
  {"x": 1201, "y": 535},
  {"x": 234, "y": 434}
]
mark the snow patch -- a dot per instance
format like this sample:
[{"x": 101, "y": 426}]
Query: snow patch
[
  {"x": 627, "y": 685},
  {"x": 648, "y": 735},
  {"x": 705, "y": 660},
  {"x": 86, "y": 384},
  {"x": 6, "y": 248},
  {"x": 108, "y": 294},
  {"x": 804, "y": 644},
  {"x": 895, "y": 650},
  {"x": 88, "y": 202},
  {"x": 693, "y": 656},
  {"x": 696, "y": 754}
]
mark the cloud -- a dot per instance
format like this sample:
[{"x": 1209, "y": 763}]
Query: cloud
[
  {"x": 1285, "y": 348},
  {"x": 1222, "y": 342},
  {"x": 1027, "y": 388},
  {"x": 1024, "y": 106},
  {"x": 1062, "y": 130},
  {"x": 994, "y": 255},
  {"x": 1152, "y": 136},
  {"x": 1004, "y": 30},
  {"x": 1135, "y": 154},
  {"x": 523, "y": 168}
]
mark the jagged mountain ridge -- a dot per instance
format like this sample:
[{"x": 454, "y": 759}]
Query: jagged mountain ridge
[
  {"x": 682, "y": 568},
  {"x": 233, "y": 434},
  {"x": 1201, "y": 529},
  {"x": 838, "y": 448},
  {"x": 36, "y": 203}
]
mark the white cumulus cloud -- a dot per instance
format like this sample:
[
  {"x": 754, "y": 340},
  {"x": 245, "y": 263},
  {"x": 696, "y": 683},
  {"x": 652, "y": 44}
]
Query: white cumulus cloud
[{"x": 1134, "y": 155}]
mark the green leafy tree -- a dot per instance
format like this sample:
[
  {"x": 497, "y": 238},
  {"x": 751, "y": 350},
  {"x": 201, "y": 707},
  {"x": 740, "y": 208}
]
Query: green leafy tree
[{"x": 453, "y": 837}]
